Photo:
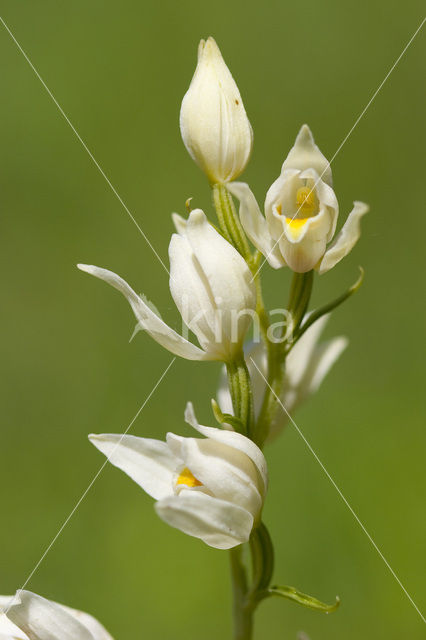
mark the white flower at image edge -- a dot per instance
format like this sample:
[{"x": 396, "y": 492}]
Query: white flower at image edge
[
  {"x": 213, "y": 122},
  {"x": 301, "y": 212},
  {"x": 31, "y": 617},
  {"x": 307, "y": 364},
  {"x": 211, "y": 285},
  {"x": 211, "y": 488}
]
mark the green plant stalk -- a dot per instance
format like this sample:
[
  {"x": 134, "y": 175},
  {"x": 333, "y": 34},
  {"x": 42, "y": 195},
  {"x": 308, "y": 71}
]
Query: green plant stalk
[
  {"x": 241, "y": 393},
  {"x": 300, "y": 295},
  {"x": 229, "y": 221},
  {"x": 241, "y": 610},
  {"x": 245, "y": 595},
  {"x": 248, "y": 596}
]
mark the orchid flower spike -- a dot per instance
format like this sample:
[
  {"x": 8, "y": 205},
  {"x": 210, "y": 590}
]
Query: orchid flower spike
[
  {"x": 213, "y": 122},
  {"x": 211, "y": 285},
  {"x": 211, "y": 488},
  {"x": 307, "y": 364},
  {"x": 27, "y": 616},
  {"x": 301, "y": 211}
]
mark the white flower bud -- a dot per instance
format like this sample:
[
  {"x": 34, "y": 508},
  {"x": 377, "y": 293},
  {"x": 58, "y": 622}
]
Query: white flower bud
[{"x": 213, "y": 122}]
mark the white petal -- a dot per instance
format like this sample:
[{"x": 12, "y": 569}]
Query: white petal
[
  {"x": 223, "y": 396},
  {"x": 43, "y": 619},
  {"x": 149, "y": 320},
  {"x": 324, "y": 357},
  {"x": 299, "y": 357},
  {"x": 304, "y": 255},
  {"x": 9, "y": 630},
  {"x": 97, "y": 630},
  {"x": 192, "y": 294},
  {"x": 218, "y": 523},
  {"x": 180, "y": 223},
  {"x": 232, "y": 439},
  {"x": 228, "y": 277},
  {"x": 255, "y": 225},
  {"x": 226, "y": 472},
  {"x": 345, "y": 239},
  {"x": 306, "y": 155},
  {"x": 148, "y": 462},
  {"x": 214, "y": 125}
]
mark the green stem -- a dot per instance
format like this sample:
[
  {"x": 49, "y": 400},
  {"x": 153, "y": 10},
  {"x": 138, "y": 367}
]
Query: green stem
[
  {"x": 229, "y": 221},
  {"x": 241, "y": 392},
  {"x": 247, "y": 597},
  {"x": 242, "y": 611},
  {"x": 300, "y": 294}
]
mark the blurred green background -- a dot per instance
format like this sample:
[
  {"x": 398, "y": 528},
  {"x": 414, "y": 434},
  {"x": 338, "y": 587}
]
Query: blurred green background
[{"x": 119, "y": 70}]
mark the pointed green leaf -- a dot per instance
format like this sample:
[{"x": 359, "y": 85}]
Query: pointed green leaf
[
  {"x": 301, "y": 598},
  {"x": 315, "y": 315}
]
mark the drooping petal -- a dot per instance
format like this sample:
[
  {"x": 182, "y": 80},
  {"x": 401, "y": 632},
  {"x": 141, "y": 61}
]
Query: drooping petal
[
  {"x": 345, "y": 239},
  {"x": 255, "y": 225},
  {"x": 214, "y": 125},
  {"x": 149, "y": 320},
  {"x": 227, "y": 276},
  {"x": 306, "y": 155},
  {"x": 148, "y": 462},
  {"x": 225, "y": 471},
  {"x": 218, "y": 523},
  {"x": 43, "y": 619},
  {"x": 232, "y": 439}
]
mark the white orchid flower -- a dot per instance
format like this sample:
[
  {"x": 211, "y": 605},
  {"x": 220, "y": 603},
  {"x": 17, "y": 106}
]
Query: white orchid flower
[
  {"x": 211, "y": 285},
  {"x": 27, "y": 616},
  {"x": 211, "y": 488},
  {"x": 213, "y": 121},
  {"x": 301, "y": 212},
  {"x": 307, "y": 365}
]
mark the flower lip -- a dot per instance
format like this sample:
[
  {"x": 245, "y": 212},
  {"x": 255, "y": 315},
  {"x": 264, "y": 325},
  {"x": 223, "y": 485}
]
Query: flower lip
[
  {"x": 295, "y": 186},
  {"x": 187, "y": 478}
]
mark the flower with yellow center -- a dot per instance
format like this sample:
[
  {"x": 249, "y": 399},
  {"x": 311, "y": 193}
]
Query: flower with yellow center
[
  {"x": 301, "y": 211},
  {"x": 211, "y": 488}
]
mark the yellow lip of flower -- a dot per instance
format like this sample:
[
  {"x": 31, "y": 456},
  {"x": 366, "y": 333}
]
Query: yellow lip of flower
[
  {"x": 296, "y": 224},
  {"x": 187, "y": 477}
]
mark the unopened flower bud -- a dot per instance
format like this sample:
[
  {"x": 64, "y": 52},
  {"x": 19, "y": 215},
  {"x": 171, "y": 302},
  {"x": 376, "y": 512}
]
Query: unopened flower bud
[{"x": 213, "y": 122}]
